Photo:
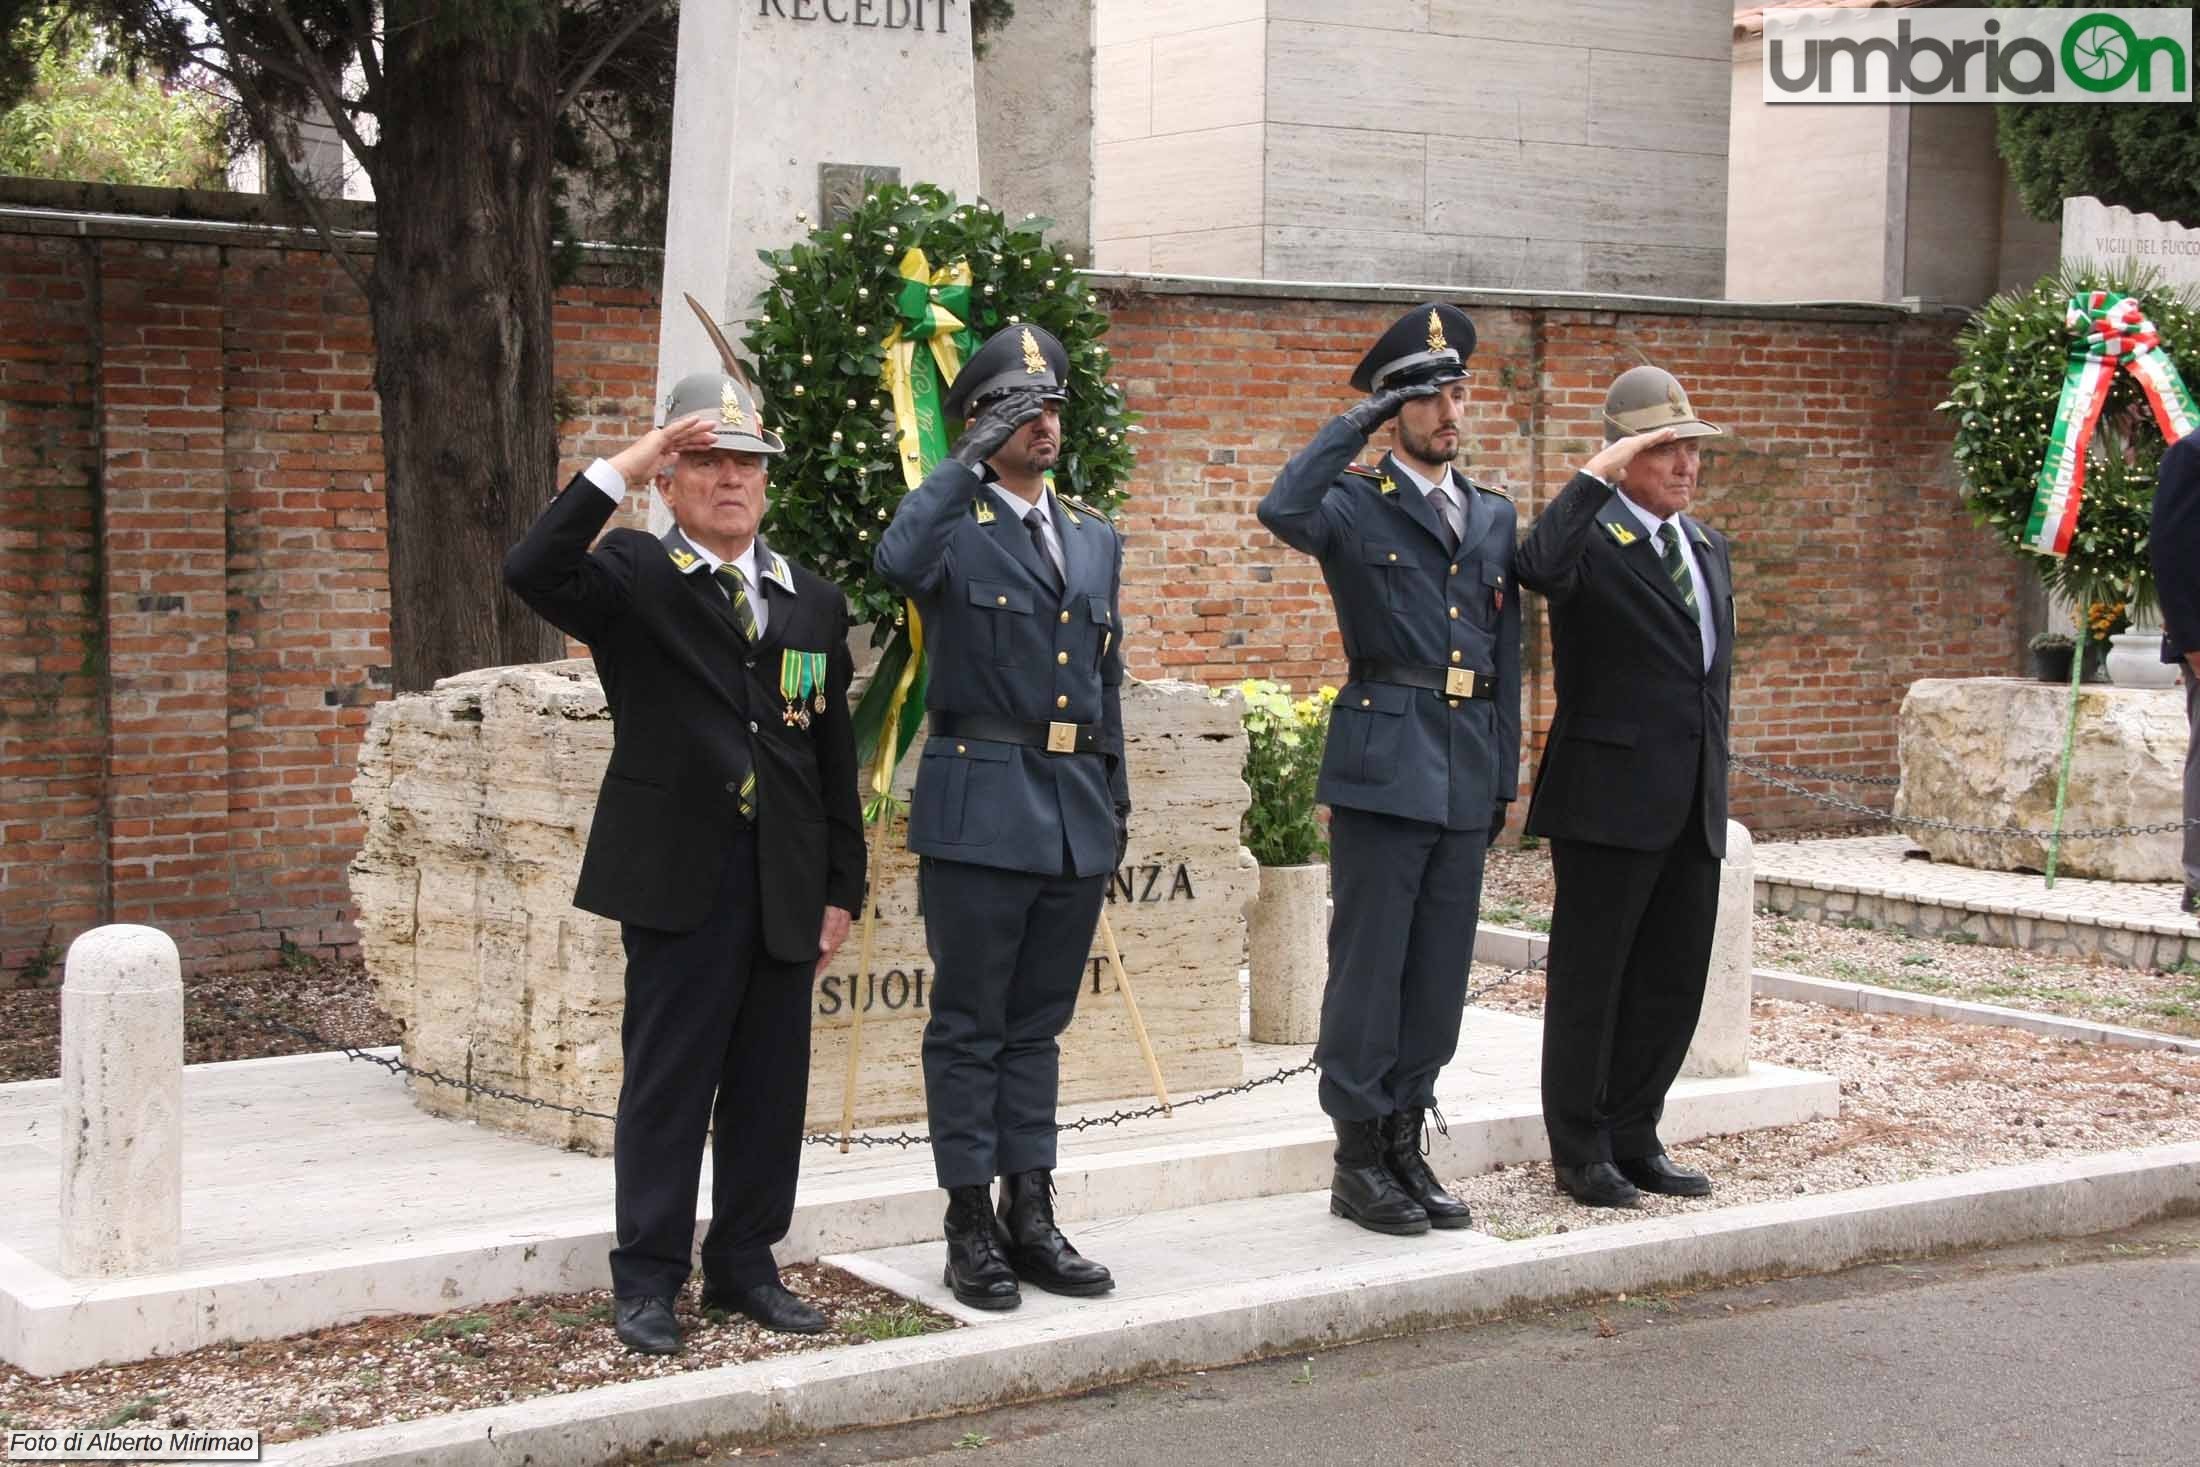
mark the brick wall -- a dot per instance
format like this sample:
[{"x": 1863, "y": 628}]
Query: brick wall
[{"x": 194, "y": 592}]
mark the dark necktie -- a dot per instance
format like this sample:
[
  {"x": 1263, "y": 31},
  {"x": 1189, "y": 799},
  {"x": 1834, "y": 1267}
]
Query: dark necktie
[
  {"x": 1034, "y": 522},
  {"x": 744, "y": 614},
  {"x": 1676, "y": 568},
  {"x": 1440, "y": 500}
]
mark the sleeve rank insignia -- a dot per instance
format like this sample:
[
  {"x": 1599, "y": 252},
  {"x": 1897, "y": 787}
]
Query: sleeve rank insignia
[
  {"x": 1621, "y": 533},
  {"x": 984, "y": 510},
  {"x": 682, "y": 559}
]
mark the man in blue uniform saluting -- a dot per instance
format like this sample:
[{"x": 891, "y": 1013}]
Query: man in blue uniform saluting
[
  {"x": 1021, "y": 808},
  {"x": 1423, "y": 752}
]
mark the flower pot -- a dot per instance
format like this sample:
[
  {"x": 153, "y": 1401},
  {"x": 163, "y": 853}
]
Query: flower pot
[
  {"x": 2052, "y": 664},
  {"x": 1287, "y": 953},
  {"x": 2135, "y": 657}
]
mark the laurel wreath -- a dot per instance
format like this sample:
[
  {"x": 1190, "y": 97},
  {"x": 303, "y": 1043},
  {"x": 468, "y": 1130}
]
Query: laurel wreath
[{"x": 817, "y": 337}]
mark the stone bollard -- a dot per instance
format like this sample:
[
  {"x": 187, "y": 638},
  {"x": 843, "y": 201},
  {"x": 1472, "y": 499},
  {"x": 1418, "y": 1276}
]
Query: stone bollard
[
  {"x": 1287, "y": 954},
  {"x": 1721, "y": 1045},
  {"x": 121, "y": 1103}
]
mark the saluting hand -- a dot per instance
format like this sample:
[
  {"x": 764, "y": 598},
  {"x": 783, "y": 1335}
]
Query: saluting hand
[
  {"x": 640, "y": 460},
  {"x": 829, "y": 938},
  {"x": 1384, "y": 405},
  {"x": 1610, "y": 465},
  {"x": 997, "y": 421}
]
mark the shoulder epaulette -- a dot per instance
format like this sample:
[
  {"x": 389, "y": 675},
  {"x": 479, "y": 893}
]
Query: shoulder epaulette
[
  {"x": 1363, "y": 471},
  {"x": 1491, "y": 489},
  {"x": 1083, "y": 508}
]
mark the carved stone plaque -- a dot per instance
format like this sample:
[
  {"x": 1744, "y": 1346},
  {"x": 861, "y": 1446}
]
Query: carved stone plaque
[{"x": 841, "y": 187}]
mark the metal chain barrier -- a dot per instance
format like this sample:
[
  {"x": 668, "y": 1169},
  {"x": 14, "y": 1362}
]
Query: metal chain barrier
[
  {"x": 1884, "y": 781},
  {"x": 396, "y": 1066},
  {"x": 2105, "y": 832}
]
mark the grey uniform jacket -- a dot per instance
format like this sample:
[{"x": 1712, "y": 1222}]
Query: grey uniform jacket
[
  {"x": 1000, "y": 642},
  {"x": 1401, "y": 597}
]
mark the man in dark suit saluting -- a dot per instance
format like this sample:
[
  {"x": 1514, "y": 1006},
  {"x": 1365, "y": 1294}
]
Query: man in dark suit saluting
[
  {"x": 1022, "y": 806},
  {"x": 1423, "y": 752},
  {"x": 1631, "y": 790},
  {"x": 727, "y": 841}
]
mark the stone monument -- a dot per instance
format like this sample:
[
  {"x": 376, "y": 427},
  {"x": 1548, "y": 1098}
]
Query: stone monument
[
  {"x": 477, "y": 798},
  {"x": 783, "y": 107},
  {"x": 2115, "y": 238}
]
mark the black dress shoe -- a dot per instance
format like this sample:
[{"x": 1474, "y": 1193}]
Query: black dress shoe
[
  {"x": 977, "y": 1272},
  {"x": 646, "y": 1325},
  {"x": 1403, "y": 1135},
  {"x": 1362, "y": 1190},
  {"x": 1599, "y": 1184},
  {"x": 1657, "y": 1173},
  {"x": 1037, "y": 1251},
  {"x": 770, "y": 1305}
]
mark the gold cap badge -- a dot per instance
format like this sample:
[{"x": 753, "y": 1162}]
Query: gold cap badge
[
  {"x": 729, "y": 408},
  {"x": 1035, "y": 362},
  {"x": 1436, "y": 340}
]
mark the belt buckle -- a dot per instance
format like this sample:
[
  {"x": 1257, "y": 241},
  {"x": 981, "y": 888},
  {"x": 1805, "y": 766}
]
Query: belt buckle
[
  {"x": 1061, "y": 738},
  {"x": 1458, "y": 682}
]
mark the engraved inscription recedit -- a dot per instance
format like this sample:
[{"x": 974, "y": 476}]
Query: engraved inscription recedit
[{"x": 841, "y": 187}]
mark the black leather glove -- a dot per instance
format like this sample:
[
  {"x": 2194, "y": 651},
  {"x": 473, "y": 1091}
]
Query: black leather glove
[
  {"x": 997, "y": 420},
  {"x": 1497, "y": 822},
  {"x": 1122, "y": 838},
  {"x": 1384, "y": 405}
]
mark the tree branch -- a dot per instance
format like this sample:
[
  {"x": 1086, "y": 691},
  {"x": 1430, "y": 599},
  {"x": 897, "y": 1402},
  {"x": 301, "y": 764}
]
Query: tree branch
[
  {"x": 370, "y": 64},
  {"x": 256, "y": 111},
  {"x": 325, "y": 87},
  {"x": 643, "y": 14}
]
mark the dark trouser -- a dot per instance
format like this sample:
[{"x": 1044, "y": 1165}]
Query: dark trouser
[
  {"x": 1008, "y": 956},
  {"x": 1630, "y": 947},
  {"x": 709, "y": 1013},
  {"x": 2192, "y": 778},
  {"x": 1401, "y": 934}
]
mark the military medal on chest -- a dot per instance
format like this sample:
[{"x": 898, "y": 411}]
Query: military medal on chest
[{"x": 802, "y": 686}]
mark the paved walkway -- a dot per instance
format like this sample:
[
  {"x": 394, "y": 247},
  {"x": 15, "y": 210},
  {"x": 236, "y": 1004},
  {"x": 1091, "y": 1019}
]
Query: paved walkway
[{"x": 1887, "y": 881}]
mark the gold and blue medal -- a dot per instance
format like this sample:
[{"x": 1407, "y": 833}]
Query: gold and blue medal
[{"x": 801, "y": 683}]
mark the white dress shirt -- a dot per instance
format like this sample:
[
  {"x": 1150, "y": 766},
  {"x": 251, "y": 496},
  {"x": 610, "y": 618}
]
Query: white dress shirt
[
  {"x": 1048, "y": 530},
  {"x": 610, "y": 481},
  {"x": 1446, "y": 496},
  {"x": 1706, "y": 625}
]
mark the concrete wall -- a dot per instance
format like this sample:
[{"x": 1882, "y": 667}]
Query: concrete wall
[
  {"x": 1035, "y": 145},
  {"x": 1567, "y": 144}
]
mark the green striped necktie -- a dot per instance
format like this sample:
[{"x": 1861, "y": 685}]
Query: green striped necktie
[{"x": 1676, "y": 568}]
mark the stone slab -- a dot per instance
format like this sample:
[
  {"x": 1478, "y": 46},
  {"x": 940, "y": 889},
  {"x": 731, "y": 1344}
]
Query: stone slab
[
  {"x": 1183, "y": 1304},
  {"x": 1878, "y": 879},
  {"x": 1867, "y": 998},
  {"x": 2109, "y": 235},
  {"x": 279, "y": 1153}
]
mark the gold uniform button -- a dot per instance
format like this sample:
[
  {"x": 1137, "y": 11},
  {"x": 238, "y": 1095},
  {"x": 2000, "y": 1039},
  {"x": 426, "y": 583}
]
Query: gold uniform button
[
  {"x": 1455, "y": 613},
  {"x": 1393, "y": 555},
  {"x": 1061, "y": 700},
  {"x": 1455, "y": 570},
  {"x": 962, "y": 748},
  {"x": 1365, "y": 702},
  {"x": 1060, "y": 658},
  {"x": 1453, "y": 701},
  {"x": 1455, "y": 657},
  {"x": 1065, "y": 618},
  {"x": 1000, "y": 601}
]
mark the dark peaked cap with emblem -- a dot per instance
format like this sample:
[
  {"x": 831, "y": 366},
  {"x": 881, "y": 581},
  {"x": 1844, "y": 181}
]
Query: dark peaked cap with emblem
[
  {"x": 1430, "y": 343},
  {"x": 1015, "y": 357},
  {"x": 1644, "y": 399},
  {"x": 732, "y": 407}
]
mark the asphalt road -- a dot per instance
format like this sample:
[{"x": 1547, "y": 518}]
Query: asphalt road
[{"x": 2080, "y": 1353}]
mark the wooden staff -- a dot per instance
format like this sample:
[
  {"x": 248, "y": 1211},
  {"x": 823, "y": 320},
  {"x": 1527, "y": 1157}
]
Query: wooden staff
[{"x": 1138, "y": 1022}]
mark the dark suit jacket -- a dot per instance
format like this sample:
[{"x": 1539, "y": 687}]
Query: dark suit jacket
[
  {"x": 2173, "y": 545},
  {"x": 692, "y": 706},
  {"x": 1637, "y": 748},
  {"x": 1401, "y": 597},
  {"x": 999, "y": 641}
]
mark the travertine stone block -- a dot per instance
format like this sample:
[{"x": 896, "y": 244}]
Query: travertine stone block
[{"x": 121, "y": 1103}]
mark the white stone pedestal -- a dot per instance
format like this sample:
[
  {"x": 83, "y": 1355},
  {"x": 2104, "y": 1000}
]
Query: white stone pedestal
[
  {"x": 1985, "y": 752},
  {"x": 1287, "y": 953},
  {"x": 121, "y": 1103},
  {"x": 1721, "y": 1045}
]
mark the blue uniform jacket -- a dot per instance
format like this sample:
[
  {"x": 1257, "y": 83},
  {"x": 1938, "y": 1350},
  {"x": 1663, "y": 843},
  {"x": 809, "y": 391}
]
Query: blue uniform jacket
[
  {"x": 1000, "y": 642},
  {"x": 1400, "y": 597}
]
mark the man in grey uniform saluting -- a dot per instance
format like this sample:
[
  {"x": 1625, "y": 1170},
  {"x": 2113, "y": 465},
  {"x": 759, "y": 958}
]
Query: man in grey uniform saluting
[
  {"x": 1423, "y": 753},
  {"x": 1021, "y": 807}
]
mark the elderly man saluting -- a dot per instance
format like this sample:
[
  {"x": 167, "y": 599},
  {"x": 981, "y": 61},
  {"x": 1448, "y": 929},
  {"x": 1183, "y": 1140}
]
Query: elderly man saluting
[
  {"x": 1631, "y": 790},
  {"x": 727, "y": 841}
]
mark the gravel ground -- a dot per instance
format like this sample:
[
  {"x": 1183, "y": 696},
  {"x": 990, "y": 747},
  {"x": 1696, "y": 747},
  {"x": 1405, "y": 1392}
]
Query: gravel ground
[
  {"x": 400, "y": 1368},
  {"x": 1919, "y": 1098},
  {"x": 331, "y": 999}
]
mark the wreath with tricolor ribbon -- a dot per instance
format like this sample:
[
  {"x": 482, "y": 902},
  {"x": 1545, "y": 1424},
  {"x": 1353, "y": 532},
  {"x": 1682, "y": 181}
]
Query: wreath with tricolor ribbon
[{"x": 2064, "y": 397}]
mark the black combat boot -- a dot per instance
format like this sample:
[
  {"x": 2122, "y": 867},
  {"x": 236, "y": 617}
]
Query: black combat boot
[
  {"x": 1363, "y": 1188},
  {"x": 1037, "y": 1251},
  {"x": 976, "y": 1274},
  {"x": 1407, "y": 1161}
]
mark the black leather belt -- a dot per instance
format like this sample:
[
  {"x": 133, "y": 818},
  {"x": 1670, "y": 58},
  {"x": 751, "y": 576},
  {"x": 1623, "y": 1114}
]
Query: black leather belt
[
  {"x": 1452, "y": 682},
  {"x": 1055, "y": 738}
]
